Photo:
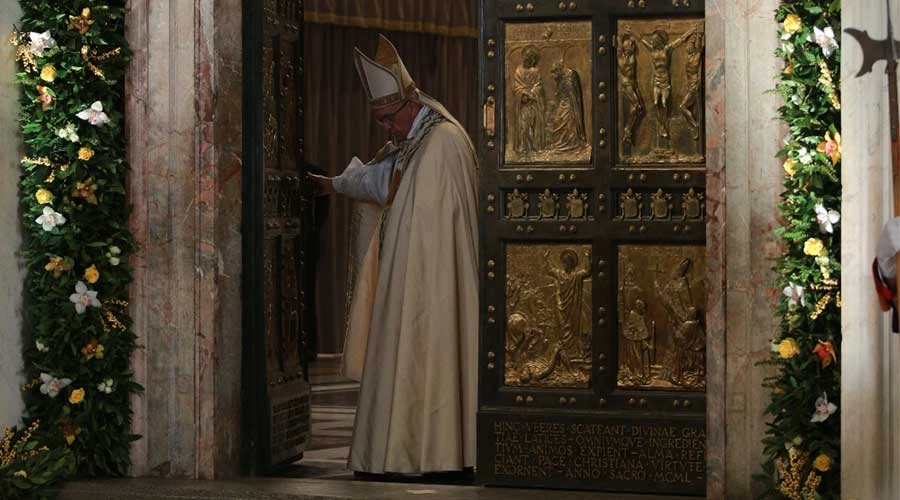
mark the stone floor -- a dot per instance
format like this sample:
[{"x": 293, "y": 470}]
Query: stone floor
[
  {"x": 314, "y": 489},
  {"x": 322, "y": 474}
]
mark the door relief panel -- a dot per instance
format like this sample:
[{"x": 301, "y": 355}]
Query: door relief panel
[
  {"x": 661, "y": 304},
  {"x": 548, "y": 323},
  {"x": 548, "y": 105}
]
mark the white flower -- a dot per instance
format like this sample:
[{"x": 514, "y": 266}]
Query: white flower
[
  {"x": 41, "y": 42},
  {"x": 52, "y": 385},
  {"x": 94, "y": 115},
  {"x": 83, "y": 298},
  {"x": 805, "y": 156},
  {"x": 824, "y": 409},
  {"x": 796, "y": 99},
  {"x": 787, "y": 47},
  {"x": 826, "y": 218},
  {"x": 68, "y": 132},
  {"x": 50, "y": 218},
  {"x": 40, "y": 346},
  {"x": 106, "y": 386},
  {"x": 794, "y": 293},
  {"x": 785, "y": 35},
  {"x": 825, "y": 39},
  {"x": 112, "y": 255}
]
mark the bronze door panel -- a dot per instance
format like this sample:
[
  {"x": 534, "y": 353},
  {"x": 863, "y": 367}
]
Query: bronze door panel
[
  {"x": 592, "y": 351},
  {"x": 277, "y": 208}
]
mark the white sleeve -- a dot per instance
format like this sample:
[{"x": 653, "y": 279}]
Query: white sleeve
[{"x": 370, "y": 182}]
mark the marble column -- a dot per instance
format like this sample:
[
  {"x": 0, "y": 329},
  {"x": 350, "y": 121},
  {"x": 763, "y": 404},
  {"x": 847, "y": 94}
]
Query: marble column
[
  {"x": 11, "y": 266},
  {"x": 869, "y": 354},
  {"x": 743, "y": 184},
  {"x": 184, "y": 117}
]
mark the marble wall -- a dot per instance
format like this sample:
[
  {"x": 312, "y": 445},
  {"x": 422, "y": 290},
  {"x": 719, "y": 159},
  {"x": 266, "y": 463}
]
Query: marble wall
[
  {"x": 184, "y": 118},
  {"x": 11, "y": 268},
  {"x": 869, "y": 353}
]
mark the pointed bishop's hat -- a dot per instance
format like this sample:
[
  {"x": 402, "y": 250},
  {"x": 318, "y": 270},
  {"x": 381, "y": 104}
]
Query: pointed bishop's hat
[{"x": 385, "y": 78}]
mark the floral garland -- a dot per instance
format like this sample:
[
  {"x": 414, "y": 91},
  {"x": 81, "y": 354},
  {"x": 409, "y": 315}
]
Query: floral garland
[
  {"x": 802, "y": 443},
  {"x": 72, "y": 57}
]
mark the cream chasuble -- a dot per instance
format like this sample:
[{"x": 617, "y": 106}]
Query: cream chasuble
[{"x": 413, "y": 324}]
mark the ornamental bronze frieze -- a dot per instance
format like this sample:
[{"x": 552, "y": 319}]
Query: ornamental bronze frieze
[
  {"x": 550, "y": 204},
  {"x": 660, "y": 105},
  {"x": 548, "y": 95},
  {"x": 661, "y": 205},
  {"x": 548, "y": 315},
  {"x": 662, "y": 304}
]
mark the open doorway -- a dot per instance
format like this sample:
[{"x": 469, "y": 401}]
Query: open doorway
[{"x": 306, "y": 111}]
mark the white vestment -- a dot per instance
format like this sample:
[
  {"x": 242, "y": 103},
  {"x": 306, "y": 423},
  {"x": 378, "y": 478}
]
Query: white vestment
[{"x": 414, "y": 314}]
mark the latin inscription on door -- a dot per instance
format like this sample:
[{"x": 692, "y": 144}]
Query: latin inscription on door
[{"x": 662, "y": 455}]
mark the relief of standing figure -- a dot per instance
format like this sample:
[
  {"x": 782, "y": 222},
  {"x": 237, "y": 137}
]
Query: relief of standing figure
[
  {"x": 567, "y": 124},
  {"x": 692, "y": 74},
  {"x": 528, "y": 88},
  {"x": 627, "y": 60},
  {"x": 661, "y": 55},
  {"x": 639, "y": 345}
]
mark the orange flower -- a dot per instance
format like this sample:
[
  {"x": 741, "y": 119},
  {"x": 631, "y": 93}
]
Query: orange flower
[
  {"x": 58, "y": 265},
  {"x": 77, "y": 396},
  {"x": 93, "y": 349},
  {"x": 70, "y": 432},
  {"x": 831, "y": 147},
  {"x": 85, "y": 190},
  {"x": 825, "y": 352},
  {"x": 45, "y": 97}
]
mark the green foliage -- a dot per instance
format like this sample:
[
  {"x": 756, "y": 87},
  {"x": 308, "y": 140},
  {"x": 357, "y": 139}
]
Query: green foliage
[
  {"x": 798, "y": 448},
  {"x": 76, "y": 169},
  {"x": 29, "y": 468}
]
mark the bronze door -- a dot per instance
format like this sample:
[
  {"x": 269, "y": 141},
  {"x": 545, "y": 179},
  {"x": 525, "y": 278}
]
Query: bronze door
[
  {"x": 276, "y": 232},
  {"x": 592, "y": 355}
]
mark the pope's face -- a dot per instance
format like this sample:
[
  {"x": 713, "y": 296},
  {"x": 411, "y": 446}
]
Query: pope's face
[{"x": 396, "y": 120}]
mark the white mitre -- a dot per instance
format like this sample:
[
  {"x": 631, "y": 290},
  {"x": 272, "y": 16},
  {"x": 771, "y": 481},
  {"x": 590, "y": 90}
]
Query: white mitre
[{"x": 385, "y": 78}]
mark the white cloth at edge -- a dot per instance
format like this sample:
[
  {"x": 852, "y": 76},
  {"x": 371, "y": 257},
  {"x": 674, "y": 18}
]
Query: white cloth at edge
[
  {"x": 372, "y": 181},
  {"x": 419, "y": 336},
  {"x": 888, "y": 247}
]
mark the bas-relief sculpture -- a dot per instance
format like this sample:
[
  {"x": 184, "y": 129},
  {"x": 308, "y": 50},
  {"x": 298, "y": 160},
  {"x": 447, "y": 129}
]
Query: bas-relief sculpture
[
  {"x": 660, "y": 62},
  {"x": 549, "y": 68},
  {"x": 548, "y": 309},
  {"x": 661, "y": 297}
]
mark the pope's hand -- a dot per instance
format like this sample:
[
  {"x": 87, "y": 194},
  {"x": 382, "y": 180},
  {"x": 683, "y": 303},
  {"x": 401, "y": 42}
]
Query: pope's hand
[{"x": 324, "y": 183}]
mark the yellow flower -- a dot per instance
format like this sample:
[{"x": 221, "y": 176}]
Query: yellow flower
[
  {"x": 48, "y": 73},
  {"x": 77, "y": 396},
  {"x": 792, "y": 23},
  {"x": 85, "y": 154},
  {"x": 91, "y": 274},
  {"x": 43, "y": 196},
  {"x": 831, "y": 147},
  {"x": 81, "y": 23},
  {"x": 789, "y": 69},
  {"x": 835, "y": 101},
  {"x": 22, "y": 474},
  {"x": 778, "y": 389},
  {"x": 822, "y": 462},
  {"x": 814, "y": 247},
  {"x": 790, "y": 167},
  {"x": 788, "y": 348}
]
